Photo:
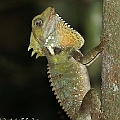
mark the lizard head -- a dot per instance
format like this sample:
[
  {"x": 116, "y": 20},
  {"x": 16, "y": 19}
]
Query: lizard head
[{"x": 49, "y": 32}]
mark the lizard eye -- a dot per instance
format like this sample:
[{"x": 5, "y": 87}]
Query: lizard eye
[
  {"x": 57, "y": 50},
  {"x": 38, "y": 22}
]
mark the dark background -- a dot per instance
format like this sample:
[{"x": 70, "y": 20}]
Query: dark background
[{"x": 24, "y": 87}]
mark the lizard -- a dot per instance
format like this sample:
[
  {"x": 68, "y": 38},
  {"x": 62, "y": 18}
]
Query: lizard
[{"x": 52, "y": 37}]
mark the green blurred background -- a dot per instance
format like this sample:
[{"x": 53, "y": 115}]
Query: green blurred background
[{"x": 24, "y": 87}]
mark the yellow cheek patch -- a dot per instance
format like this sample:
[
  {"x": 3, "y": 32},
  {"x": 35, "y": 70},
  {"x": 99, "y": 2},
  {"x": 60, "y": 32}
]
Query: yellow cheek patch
[{"x": 35, "y": 46}]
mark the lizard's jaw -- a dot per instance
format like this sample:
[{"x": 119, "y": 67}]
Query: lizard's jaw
[
  {"x": 37, "y": 48},
  {"x": 43, "y": 48}
]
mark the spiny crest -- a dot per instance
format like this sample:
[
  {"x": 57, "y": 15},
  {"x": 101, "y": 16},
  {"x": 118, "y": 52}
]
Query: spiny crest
[
  {"x": 68, "y": 37},
  {"x": 57, "y": 93}
]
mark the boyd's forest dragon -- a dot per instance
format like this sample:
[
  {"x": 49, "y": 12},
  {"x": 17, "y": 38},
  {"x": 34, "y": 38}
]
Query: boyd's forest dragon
[{"x": 53, "y": 38}]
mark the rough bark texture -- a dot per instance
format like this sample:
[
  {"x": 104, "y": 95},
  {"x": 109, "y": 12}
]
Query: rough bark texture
[{"x": 111, "y": 60}]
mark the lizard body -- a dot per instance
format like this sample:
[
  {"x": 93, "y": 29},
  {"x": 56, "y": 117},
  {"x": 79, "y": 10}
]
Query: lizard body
[{"x": 53, "y": 38}]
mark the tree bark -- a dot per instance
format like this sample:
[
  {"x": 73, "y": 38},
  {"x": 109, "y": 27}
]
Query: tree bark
[{"x": 111, "y": 60}]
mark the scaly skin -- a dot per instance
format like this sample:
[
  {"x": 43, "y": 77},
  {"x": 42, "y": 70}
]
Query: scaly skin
[
  {"x": 51, "y": 37},
  {"x": 70, "y": 82}
]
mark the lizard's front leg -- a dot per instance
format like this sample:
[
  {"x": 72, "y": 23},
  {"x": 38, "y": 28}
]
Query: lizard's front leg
[{"x": 88, "y": 58}]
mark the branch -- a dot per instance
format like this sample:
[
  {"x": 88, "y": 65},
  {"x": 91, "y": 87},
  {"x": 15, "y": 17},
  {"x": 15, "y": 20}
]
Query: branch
[{"x": 111, "y": 60}]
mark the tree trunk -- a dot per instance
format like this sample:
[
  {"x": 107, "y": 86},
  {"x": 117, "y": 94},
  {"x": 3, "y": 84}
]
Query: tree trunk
[{"x": 111, "y": 60}]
